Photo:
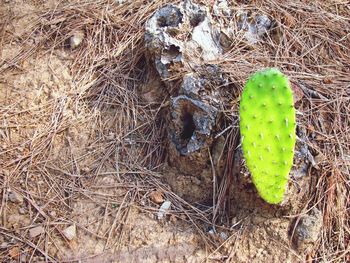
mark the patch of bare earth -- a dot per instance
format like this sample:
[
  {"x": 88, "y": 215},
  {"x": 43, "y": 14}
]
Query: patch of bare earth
[{"x": 83, "y": 154}]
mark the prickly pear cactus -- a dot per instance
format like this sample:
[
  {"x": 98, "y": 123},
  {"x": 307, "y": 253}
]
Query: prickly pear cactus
[{"x": 267, "y": 125}]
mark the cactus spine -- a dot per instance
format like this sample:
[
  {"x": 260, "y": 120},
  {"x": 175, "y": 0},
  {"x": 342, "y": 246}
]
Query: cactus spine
[{"x": 267, "y": 126}]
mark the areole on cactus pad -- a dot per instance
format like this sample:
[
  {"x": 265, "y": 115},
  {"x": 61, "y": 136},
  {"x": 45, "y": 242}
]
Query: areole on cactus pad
[{"x": 267, "y": 126}]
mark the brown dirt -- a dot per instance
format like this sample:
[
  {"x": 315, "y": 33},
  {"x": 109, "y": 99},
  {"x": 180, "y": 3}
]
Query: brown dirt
[{"x": 82, "y": 148}]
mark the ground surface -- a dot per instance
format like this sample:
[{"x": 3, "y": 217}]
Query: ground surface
[{"x": 80, "y": 148}]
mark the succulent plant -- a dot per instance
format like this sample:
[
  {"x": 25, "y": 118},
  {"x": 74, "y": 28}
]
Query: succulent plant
[{"x": 267, "y": 126}]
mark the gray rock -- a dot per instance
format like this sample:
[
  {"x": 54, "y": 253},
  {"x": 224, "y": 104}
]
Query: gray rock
[
  {"x": 199, "y": 85},
  {"x": 4, "y": 245},
  {"x": 76, "y": 39},
  {"x": 163, "y": 210},
  {"x": 255, "y": 26},
  {"x": 224, "y": 236},
  {"x": 192, "y": 124},
  {"x": 174, "y": 33},
  {"x": 207, "y": 40},
  {"x": 53, "y": 213},
  {"x": 308, "y": 229},
  {"x": 303, "y": 158},
  {"x": 221, "y": 8},
  {"x": 15, "y": 197},
  {"x": 22, "y": 211},
  {"x": 36, "y": 231}
]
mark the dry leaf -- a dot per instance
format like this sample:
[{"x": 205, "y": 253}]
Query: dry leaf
[{"x": 14, "y": 252}]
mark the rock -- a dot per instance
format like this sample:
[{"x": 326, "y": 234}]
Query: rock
[
  {"x": 192, "y": 122},
  {"x": 15, "y": 197},
  {"x": 120, "y": 2},
  {"x": 194, "y": 115},
  {"x": 36, "y": 231},
  {"x": 206, "y": 39},
  {"x": 221, "y": 8},
  {"x": 199, "y": 85},
  {"x": 4, "y": 245},
  {"x": 212, "y": 231},
  {"x": 70, "y": 232},
  {"x": 23, "y": 257},
  {"x": 22, "y": 211},
  {"x": 255, "y": 26},
  {"x": 302, "y": 156},
  {"x": 53, "y": 213},
  {"x": 156, "y": 197},
  {"x": 163, "y": 210},
  {"x": 76, "y": 39},
  {"x": 164, "y": 49},
  {"x": 223, "y": 236},
  {"x": 175, "y": 33},
  {"x": 17, "y": 221},
  {"x": 308, "y": 229}
]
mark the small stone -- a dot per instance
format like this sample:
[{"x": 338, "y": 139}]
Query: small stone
[
  {"x": 15, "y": 197},
  {"x": 76, "y": 39},
  {"x": 4, "y": 245},
  {"x": 70, "y": 232},
  {"x": 221, "y": 7},
  {"x": 211, "y": 231},
  {"x": 85, "y": 169},
  {"x": 223, "y": 235},
  {"x": 23, "y": 257},
  {"x": 22, "y": 211},
  {"x": 308, "y": 229},
  {"x": 17, "y": 221},
  {"x": 163, "y": 209},
  {"x": 52, "y": 213},
  {"x": 157, "y": 197},
  {"x": 36, "y": 231}
]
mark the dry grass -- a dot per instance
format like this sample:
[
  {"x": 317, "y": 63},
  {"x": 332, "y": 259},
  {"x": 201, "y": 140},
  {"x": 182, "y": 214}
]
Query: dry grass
[{"x": 310, "y": 44}]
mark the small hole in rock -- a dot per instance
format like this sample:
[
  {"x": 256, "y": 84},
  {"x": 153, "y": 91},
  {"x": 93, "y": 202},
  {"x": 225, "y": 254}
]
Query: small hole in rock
[
  {"x": 173, "y": 51},
  {"x": 196, "y": 19},
  {"x": 188, "y": 126}
]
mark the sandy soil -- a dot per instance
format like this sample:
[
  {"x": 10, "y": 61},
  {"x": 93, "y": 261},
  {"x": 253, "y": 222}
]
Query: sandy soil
[{"x": 72, "y": 157}]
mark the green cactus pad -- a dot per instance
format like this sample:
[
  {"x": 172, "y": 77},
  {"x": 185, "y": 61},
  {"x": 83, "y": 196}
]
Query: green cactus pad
[{"x": 267, "y": 125}]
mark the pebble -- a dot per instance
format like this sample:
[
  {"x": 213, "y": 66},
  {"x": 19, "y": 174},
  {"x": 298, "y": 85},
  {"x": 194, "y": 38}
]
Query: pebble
[
  {"x": 223, "y": 235},
  {"x": 156, "y": 197},
  {"x": 22, "y": 211},
  {"x": 15, "y": 197},
  {"x": 211, "y": 231},
  {"x": 36, "y": 231},
  {"x": 70, "y": 232},
  {"x": 76, "y": 39},
  {"x": 52, "y": 213},
  {"x": 4, "y": 245},
  {"x": 163, "y": 209},
  {"x": 308, "y": 229}
]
